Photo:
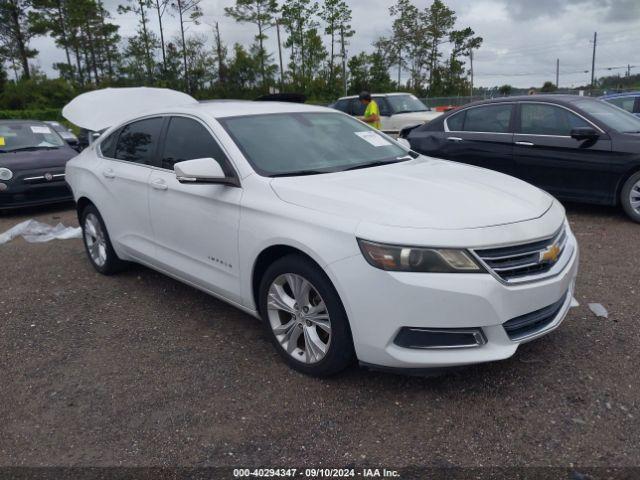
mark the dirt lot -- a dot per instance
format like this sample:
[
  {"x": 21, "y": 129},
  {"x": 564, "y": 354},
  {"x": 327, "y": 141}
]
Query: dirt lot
[{"x": 138, "y": 369}]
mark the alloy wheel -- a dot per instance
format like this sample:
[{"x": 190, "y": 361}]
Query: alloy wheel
[
  {"x": 95, "y": 239},
  {"x": 299, "y": 318},
  {"x": 634, "y": 197}
]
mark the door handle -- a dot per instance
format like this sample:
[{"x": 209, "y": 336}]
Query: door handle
[
  {"x": 525, "y": 144},
  {"x": 159, "y": 185},
  {"x": 454, "y": 139},
  {"x": 109, "y": 173}
]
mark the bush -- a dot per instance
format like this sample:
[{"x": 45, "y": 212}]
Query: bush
[{"x": 32, "y": 114}]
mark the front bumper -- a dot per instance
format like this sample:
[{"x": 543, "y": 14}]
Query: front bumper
[
  {"x": 27, "y": 195},
  {"x": 379, "y": 304}
]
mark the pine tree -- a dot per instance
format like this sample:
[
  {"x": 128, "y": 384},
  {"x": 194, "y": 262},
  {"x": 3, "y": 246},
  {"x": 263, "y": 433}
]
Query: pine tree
[{"x": 261, "y": 13}]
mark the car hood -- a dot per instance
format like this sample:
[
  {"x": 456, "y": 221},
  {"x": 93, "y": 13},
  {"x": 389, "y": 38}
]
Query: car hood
[
  {"x": 421, "y": 193},
  {"x": 30, "y": 160},
  {"x": 418, "y": 116},
  {"x": 101, "y": 109}
]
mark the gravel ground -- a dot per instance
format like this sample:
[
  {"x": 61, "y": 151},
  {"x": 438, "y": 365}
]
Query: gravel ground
[{"x": 138, "y": 370}]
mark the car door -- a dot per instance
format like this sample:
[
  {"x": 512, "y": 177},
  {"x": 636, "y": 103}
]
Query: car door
[
  {"x": 547, "y": 156},
  {"x": 481, "y": 136},
  {"x": 127, "y": 156},
  {"x": 195, "y": 225}
]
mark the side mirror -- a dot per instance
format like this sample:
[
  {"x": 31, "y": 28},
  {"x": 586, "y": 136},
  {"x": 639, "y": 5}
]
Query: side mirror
[
  {"x": 93, "y": 136},
  {"x": 202, "y": 170},
  {"x": 584, "y": 133}
]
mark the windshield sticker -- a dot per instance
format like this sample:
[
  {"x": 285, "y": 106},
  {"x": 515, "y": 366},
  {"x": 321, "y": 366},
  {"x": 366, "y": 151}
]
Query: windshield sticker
[
  {"x": 1, "y": 141},
  {"x": 40, "y": 129},
  {"x": 374, "y": 139}
]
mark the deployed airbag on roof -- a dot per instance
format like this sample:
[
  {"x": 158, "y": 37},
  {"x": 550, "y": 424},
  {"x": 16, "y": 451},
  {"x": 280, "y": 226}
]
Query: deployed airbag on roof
[{"x": 101, "y": 109}]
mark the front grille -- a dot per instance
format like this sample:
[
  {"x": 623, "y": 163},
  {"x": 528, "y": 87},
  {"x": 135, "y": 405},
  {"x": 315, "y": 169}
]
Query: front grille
[
  {"x": 534, "y": 322},
  {"x": 518, "y": 261}
]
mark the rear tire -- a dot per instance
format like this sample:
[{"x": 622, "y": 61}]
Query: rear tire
[
  {"x": 97, "y": 242},
  {"x": 304, "y": 317},
  {"x": 630, "y": 197}
]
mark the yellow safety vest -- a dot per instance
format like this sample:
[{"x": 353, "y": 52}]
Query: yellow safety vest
[{"x": 372, "y": 109}]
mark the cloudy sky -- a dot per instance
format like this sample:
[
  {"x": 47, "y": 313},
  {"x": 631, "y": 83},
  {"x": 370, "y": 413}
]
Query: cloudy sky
[{"x": 522, "y": 38}]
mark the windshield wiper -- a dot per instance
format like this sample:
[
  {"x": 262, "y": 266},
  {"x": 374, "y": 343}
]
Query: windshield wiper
[
  {"x": 299, "y": 173},
  {"x": 35, "y": 147},
  {"x": 632, "y": 131},
  {"x": 378, "y": 163}
]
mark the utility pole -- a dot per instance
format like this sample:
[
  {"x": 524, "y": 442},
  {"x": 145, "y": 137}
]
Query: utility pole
[
  {"x": 280, "y": 55},
  {"x": 557, "y": 73},
  {"x": 593, "y": 61},
  {"x": 471, "y": 69},
  {"x": 344, "y": 60},
  {"x": 628, "y": 69}
]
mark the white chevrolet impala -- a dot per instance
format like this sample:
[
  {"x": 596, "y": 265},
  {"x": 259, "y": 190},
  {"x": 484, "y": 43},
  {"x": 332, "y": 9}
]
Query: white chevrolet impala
[{"x": 345, "y": 243}]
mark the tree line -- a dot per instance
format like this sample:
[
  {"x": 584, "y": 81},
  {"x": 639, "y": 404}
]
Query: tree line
[{"x": 426, "y": 52}]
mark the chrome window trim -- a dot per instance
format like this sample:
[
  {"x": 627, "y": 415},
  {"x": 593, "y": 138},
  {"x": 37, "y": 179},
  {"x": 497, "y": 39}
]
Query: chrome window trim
[
  {"x": 163, "y": 115},
  {"x": 446, "y": 125}
]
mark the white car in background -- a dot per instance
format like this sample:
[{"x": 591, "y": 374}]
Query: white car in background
[
  {"x": 397, "y": 110},
  {"x": 345, "y": 243}
]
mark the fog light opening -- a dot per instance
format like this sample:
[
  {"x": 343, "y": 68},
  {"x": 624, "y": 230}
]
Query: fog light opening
[{"x": 435, "y": 338}]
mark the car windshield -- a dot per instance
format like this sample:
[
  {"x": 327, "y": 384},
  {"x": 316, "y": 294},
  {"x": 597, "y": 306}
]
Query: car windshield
[
  {"x": 406, "y": 103},
  {"x": 15, "y": 136},
  {"x": 290, "y": 144},
  {"x": 612, "y": 116}
]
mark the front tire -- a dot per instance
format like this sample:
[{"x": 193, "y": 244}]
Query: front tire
[
  {"x": 98, "y": 244},
  {"x": 630, "y": 197},
  {"x": 304, "y": 317}
]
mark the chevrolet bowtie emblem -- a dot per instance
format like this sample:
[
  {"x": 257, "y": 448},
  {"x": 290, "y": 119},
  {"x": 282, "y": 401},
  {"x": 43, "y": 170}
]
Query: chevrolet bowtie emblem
[{"x": 550, "y": 255}]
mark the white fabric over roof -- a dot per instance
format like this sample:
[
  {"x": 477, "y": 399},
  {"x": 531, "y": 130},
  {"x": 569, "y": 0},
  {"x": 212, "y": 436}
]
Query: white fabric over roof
[{"x": 104, "y": 108}]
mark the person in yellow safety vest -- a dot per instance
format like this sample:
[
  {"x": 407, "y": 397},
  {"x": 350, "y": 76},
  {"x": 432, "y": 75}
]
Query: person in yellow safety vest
[{"x": 372, "y": 112}]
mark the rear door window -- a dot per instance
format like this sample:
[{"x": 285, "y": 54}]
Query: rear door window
[
  {"x": 138, "y": 141},
  {"x": 488, "y": 118},
  {"x": 546, "y": 119},
  {"x": 108, "y": 145}
]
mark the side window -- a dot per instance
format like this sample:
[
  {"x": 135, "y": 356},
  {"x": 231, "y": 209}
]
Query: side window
[
  {"x": 625, "y": 103},
  {"x": 357, "y": 108},
  {"x": 108, "y": 145},
  {"x": 383, "y": 106},
  {"x": 545, "y": 119},
  {"x": 489, "y": 118},
  {"x": 454, "y": 122},
  {"x": 188, "y": 139},
  {"x": 342, "y": 105},
  {"x": 138, "y": 140}
]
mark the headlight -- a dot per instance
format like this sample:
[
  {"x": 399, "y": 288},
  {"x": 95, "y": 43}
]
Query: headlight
[
  {"x": 416, "y": 259},
  {"x": 5, "y": 174}
]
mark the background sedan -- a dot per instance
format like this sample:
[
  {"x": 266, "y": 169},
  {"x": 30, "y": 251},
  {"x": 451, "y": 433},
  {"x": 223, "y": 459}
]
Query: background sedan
[
  {"x": 32, "y": 161},
  {"x": 576, "y": 148}
]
